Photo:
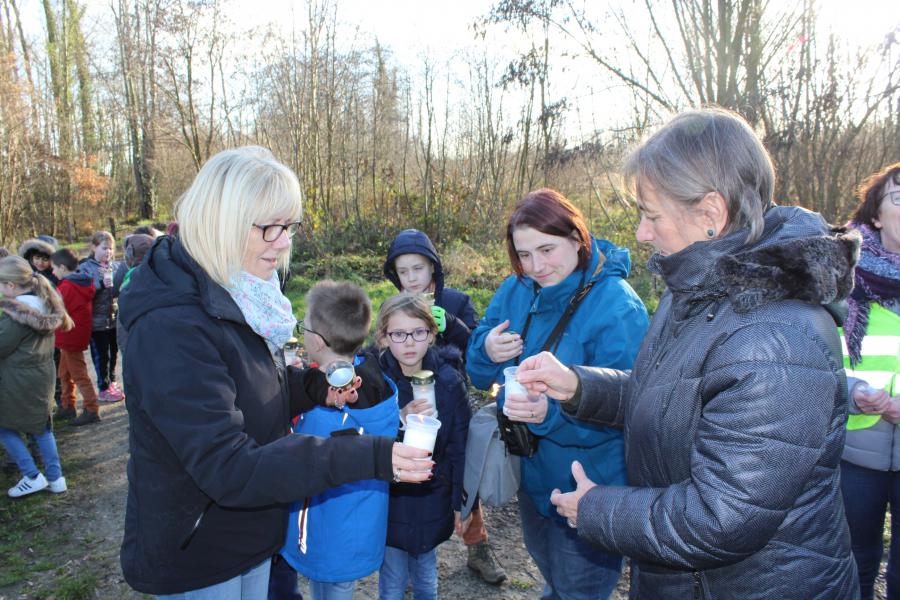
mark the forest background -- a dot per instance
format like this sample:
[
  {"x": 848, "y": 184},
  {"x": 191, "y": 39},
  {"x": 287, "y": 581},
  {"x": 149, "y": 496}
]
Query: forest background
[{"x": 108, "y": 110}]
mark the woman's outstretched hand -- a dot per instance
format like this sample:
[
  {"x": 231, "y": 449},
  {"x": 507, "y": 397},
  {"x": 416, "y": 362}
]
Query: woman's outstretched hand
[
  {"x": 567, "y": 504},
  {"x": 411, "y": 465},
  {"x": 502, "y": 345},
  {"x": 544, "y": 374}
]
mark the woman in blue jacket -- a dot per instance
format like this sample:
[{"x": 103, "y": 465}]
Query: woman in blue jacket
[{"x": 555, "y": 258}]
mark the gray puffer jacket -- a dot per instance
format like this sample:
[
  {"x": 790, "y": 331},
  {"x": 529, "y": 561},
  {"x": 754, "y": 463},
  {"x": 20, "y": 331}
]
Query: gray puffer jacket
[{"x": 734, "y": 421}]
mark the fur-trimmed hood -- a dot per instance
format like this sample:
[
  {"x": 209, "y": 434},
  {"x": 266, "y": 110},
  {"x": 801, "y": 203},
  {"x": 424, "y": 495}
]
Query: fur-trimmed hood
[
  {"x": 817, "y": 270},
  {"x": 35, "y": 246},
  {"x": 25, "y": 311},
  {"x": 798, "y": 257}
]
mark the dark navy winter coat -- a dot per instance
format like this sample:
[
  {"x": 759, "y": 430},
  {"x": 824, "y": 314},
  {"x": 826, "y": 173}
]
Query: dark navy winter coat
[
  {"x": 461, "y": 319},
  {"x": 420, "y": 516},
  {"x": 209, "y": 436}
]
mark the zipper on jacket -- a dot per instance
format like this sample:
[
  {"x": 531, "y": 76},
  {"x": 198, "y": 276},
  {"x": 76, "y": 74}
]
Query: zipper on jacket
[{"x": 698, "y": 586}]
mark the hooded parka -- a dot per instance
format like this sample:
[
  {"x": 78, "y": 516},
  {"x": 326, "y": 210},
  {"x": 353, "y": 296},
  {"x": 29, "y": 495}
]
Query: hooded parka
[
  {"x": 27, "y": 373},
  {"x": 734, "y": 420}
]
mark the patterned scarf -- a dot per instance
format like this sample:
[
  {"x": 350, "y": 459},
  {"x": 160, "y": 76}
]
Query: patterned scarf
[
  {"x": 266, "y": 310},
  {"x": 877, "y": 280}
]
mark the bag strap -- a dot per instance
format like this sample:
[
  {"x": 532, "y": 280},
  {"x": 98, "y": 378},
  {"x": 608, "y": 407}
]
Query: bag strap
[{"x": 555, "y": 336}]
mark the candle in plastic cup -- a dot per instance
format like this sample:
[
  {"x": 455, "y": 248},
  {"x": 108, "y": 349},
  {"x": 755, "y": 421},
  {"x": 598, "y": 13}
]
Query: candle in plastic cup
[
  {"x": 512, "y": 385},
  {"x": 421, "y": 432},
  {"x": 423, "y": 388}
]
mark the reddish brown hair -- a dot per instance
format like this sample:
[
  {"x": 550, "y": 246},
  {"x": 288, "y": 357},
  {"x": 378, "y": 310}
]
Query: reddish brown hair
[
  {"x": 551, "y": 213},
  {"x": 871, "y": 193}
]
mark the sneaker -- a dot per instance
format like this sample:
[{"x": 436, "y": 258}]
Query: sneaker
[
  {"x": 65, "y": 413},
  {"x": 57, "y": 486},
  {"x": 113, "y": 393},
  {"x": 483, "y": 561},
  {"x": 27, "y": 485},
  {"x": 85, "y": 418}
]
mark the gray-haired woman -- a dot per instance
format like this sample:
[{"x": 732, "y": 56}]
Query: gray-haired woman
[{"x": 734, "y": 412}]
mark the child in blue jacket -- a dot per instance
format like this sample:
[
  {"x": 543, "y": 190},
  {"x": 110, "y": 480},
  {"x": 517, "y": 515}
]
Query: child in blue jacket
[
  {"x": 420, "y": 517},
  {"x": 337, "y": 537}
]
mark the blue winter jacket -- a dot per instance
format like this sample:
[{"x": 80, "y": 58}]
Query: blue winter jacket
[
  {"x": 606, "y": 331},
  {"x": 421, "y": 515},
  {"x": 345, "y": 526}
]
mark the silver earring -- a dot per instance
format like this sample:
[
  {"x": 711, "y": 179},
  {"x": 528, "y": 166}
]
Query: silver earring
[{"x": 711, "y": 232}]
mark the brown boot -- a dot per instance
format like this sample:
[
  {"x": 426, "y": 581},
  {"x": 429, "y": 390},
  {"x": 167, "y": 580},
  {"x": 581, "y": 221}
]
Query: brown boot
[
  {"x": 483, "y": 561},
  {"x": 85, "y": 418}
]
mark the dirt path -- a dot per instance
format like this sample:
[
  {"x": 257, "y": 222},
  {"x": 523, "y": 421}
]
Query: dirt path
[{"x": 81, "y": 541}]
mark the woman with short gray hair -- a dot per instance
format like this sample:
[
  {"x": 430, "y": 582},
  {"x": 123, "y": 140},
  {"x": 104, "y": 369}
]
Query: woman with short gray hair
[{"x": 734, "y": 412}]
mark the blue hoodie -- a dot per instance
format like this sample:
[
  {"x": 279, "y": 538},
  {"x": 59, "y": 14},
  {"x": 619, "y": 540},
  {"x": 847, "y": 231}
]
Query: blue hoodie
[
  {"x": 461, "y": 319},
  {"x": 344, "y": 528},
  {"x": 605, "y": 331}
]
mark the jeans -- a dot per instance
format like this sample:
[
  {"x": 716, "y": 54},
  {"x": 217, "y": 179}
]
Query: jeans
[
  {"x": 104, "y": 351},
  {"x": 322, "y": 590},
  {"x": 18, "y": 451},
  {"x": 399, "y": 567},
  {"x": 572, "y": 568},
  {"x": 283, "y": 583},
  {"x": 252, "y": 584},
  {"x": 867, "y": 494}
]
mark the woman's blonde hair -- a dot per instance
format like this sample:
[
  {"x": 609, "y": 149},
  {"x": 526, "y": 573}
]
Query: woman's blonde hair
[
  {"x": 413, "y": 306},
  {"x": 16, "y": 270},
  {"x": 234, "y": 190}
]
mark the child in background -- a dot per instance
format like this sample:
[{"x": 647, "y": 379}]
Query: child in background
[
  {"x": 137, "y": 245},
  {"x": 37, "y": 252},
  {"x": 77, "y": 291},
  {"x": 421, "y": 517},
  {"x": 101, "y": 268},
  {"x": 30, "y": 311},
  {"x": 337, "y": 537},
  {"x": 413, "y": 266}
]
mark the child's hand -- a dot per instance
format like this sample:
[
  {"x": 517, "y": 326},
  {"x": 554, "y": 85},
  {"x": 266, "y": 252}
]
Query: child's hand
[
  {"x": 417, "y": 407},
  {"x": 460, "y": 526},
  {"x": 338, "y": 397},
  {"x": 440, "y": 317}
]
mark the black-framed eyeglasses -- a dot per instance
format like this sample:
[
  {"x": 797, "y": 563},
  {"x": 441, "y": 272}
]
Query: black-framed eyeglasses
[
  {"x": 894, "y": 197},
  {"x": 273, "y": 231},
  {"x": 301, "y": 329},
  {"x": 420, "y": 334}
]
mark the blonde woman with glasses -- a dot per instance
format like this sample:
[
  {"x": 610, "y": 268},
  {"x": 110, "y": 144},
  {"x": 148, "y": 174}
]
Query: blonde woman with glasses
[{"x": 213, "y": 464}]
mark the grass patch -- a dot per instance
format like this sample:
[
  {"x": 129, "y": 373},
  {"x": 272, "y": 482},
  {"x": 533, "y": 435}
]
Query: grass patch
[
  {"x": 521, "y": 584},
  {"x": 35, "y": 537},
  {"x": 71, "y": 587}
]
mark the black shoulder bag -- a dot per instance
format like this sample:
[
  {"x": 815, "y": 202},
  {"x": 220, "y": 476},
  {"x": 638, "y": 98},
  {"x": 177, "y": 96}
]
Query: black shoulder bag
[{"x": 516, "y": 435}]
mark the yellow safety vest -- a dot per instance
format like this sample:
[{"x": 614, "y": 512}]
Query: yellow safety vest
[{"x": 879, "y": 362}]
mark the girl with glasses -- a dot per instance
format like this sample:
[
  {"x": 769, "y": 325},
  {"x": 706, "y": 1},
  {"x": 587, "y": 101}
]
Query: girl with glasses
[
  {"x": 421, "y": 517},
  {"x": 414, "y": 266}
]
